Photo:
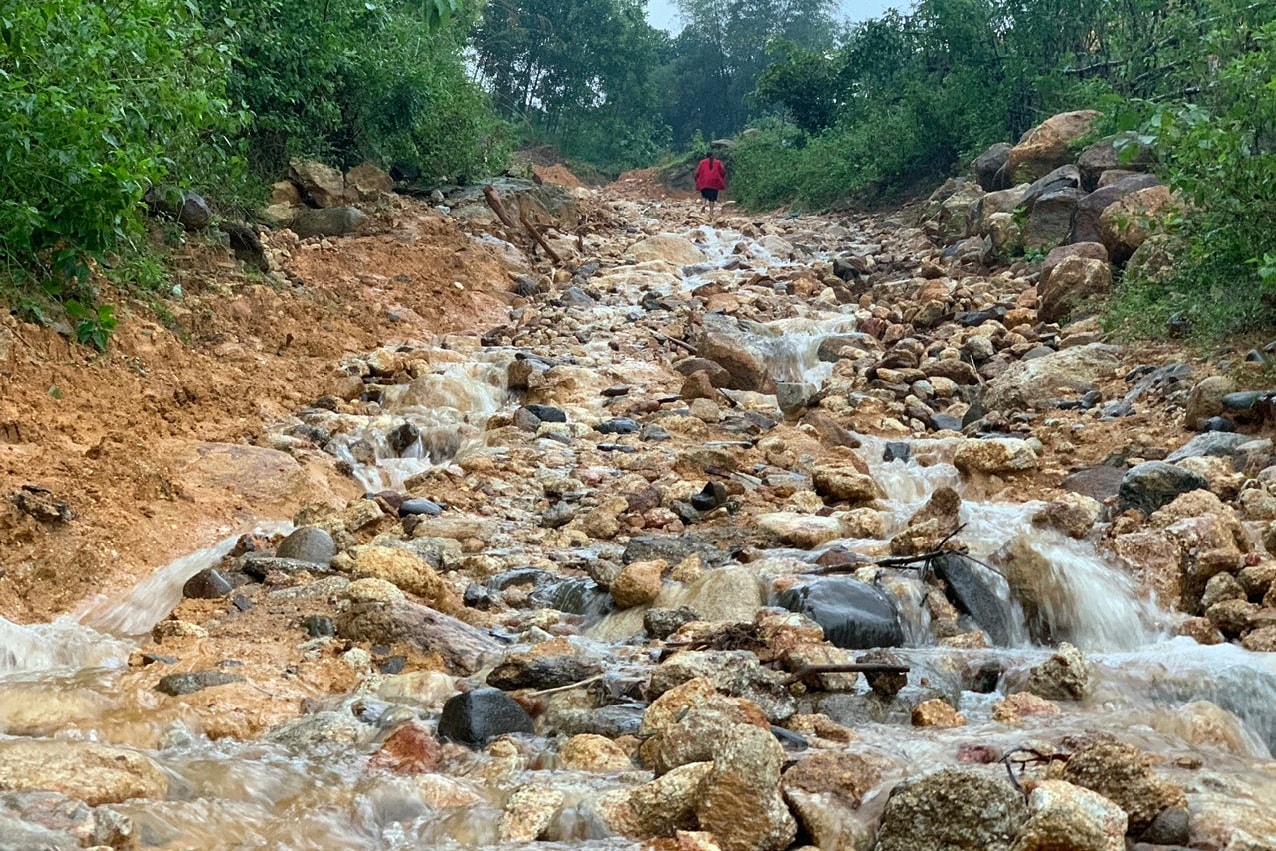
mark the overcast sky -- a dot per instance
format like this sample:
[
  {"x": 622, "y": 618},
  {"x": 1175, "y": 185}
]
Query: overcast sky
[{"x": 664, "y": 13}]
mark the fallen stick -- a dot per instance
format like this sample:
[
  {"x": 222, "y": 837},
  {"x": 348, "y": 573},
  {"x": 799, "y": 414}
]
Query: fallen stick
[
  {"x": 536, "y": 236},
  {"x": 494, "y": 201}
]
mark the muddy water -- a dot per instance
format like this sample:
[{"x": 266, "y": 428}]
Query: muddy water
[{"x": 305, "y": 785}]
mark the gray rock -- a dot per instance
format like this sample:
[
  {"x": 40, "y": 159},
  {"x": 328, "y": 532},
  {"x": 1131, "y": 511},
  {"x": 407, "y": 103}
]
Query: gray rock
[
  {"x": 332, "y": 221},
  {"x": 1063, "y": 177},
  {"x": 1038, "y": 383},
  {"x": 1123, "y": 151},
  {"x": 524, "y": 670},
  {"x": 971, "y": 593},
  {"x": 208, "y": 584},
  {"x": 258, "y": 565},
  {"x": 309, "y": 544},
  {"x": 950, "y": 810},
  {"x": 1153, "y": 484},
  {"x": 193, "y": 681},
  {"x": 1214, "y": 443},
  {"x": 1085, "y": 222},
  {"x": 989, "y": 163},
  {"x": 1050, "y": 221},
  {"x": 854, "y": 615},
  {"x": 461, "y": 646},
  {"x": 194, "y": 214},
  {"x": 1171, "y": 827},
  {"x": 475, "y": 718},
  {"x": 1097, "y": 483}
]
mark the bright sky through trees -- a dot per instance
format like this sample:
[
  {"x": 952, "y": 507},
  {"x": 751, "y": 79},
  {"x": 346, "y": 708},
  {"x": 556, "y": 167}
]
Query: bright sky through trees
[{"x": 664, "y": 13}]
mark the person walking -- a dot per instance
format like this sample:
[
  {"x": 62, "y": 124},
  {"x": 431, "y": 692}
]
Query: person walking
[{"x": 711, "y": 178}]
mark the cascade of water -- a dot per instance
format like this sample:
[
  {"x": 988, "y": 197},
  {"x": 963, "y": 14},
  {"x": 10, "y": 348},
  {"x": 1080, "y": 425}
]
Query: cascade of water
[{"x": 149, "y": 601}]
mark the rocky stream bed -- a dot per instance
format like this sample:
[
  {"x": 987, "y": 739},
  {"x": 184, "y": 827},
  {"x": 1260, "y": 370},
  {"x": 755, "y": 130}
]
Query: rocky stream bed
[{"x": 616, "y": 555}]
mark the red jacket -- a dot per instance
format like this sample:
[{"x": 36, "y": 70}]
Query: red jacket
[{"x": 711, "y": 174}]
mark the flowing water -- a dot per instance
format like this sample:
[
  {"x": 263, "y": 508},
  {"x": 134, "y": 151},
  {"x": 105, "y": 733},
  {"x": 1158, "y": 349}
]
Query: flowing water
[{"x": 303, "y": 787}]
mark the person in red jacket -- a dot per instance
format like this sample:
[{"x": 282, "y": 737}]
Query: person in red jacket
[{"x": 711, "y": 178}]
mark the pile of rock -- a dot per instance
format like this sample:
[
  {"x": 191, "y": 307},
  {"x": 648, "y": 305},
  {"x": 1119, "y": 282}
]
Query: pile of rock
[{"x": 1089, "y": 211}]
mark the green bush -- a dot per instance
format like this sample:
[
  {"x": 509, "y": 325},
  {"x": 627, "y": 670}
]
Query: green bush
[
  {"x": 346, "y": 81},
  {"x": 98, "y": 101},
  {"x": 1219, "y": 154}
]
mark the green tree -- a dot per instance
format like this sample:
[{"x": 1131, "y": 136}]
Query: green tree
[
  {"x": 716, "y": 61},
  {"x": 578, "y": 72}
]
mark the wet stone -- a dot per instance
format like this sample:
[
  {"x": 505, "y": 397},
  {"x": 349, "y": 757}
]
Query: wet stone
[
  {"x": 475, "y": 718},
  {"x": 175, "y": 685},
  {"x": 417, "y": 506},
  {"x": 308, "y": 544},
  {"x": 208, "y": 584},
  {"x": 952, "y": 809},
  {"x": 854, "y": 615},
  {"x": 884, "y": 683},
  {"x": 545, "y": 413},
  {"x": 660, "y": 623},
  {"x": 972, "y": 594},
  {"x": 1171, "y": 827},
  {"x": 260, "y": 565},
  {"x": 541, "y": 672},
  {"x": 898, "y": 450}
]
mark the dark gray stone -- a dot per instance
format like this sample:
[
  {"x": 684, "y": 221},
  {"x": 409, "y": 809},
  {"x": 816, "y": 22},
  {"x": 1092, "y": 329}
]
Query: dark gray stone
[
  {"x": 546, "y": 414},
  {"x": 1222, "y": 444},
  {"x": 540, "y": 672},
  {"x": 1153, "y": 484},
  {"x": 415, "y": 506},
  {"x": 1171, "y": 827},
  {"x": 208, "y": 584},
  {"x": 194, "y": 213},
  {"x": 308, "y": 544},
  {"x": 617, "y": 425},
  {"x": 403, "y": 437},
  {"x": 1063, "y": 177},
  {"x": 257, "y": 565},
  {"x": 193, "y": 681},
  {"x": 971, "y": 593},
  {"x": 898, "y": 450},
  {"x": 661, "y": 623},
  {"x": 987, "y": 165},
  {"x": 576, "y": 297},
  {"x": 853, "y": 614},
  {"x": 319, "y": 626},
  {"x": 475, "y": 718}
]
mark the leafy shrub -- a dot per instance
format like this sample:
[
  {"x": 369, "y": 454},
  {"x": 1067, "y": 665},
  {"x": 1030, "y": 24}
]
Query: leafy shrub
[
  {"x": 1219, "y": 154},
  {"x": 99, "y": 99}
]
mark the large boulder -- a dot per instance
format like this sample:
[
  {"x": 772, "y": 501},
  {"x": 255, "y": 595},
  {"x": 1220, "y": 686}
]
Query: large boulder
[
  {"x": 368, "y": 182},
  {"x": 853, "y": 614},
  {"x": 1063, "y": 177},
  {"x": 1123, "y": 774},
  {"x": 724, "y": 343},
  {"x": 1123, "y": 151},
  {"x": 1038, "y": 382},
  {"x": 1071, "y": 818},
  {"x": 1050, "y": 221},
  {"x": 476, "y": 717},
  {"x": 1048, "y": 145},
  {"x": 321, "y": 184},
  {"x": 741, "y": 804},
  {"x": 952, "y": 810},
  {"x": 1152, "y": 484},
  {"x": 331, "y": 221},
  {"x": 1085, "y": 222},
  {"x": 987, "y": 165},
  {"x": 1073, "y": 283},
  {"x": 1126, "y": 224},
  {"x": 668, "y": 247},
  {"x": 989, "y": 205},
  {"x": 956, "y": 212}
]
